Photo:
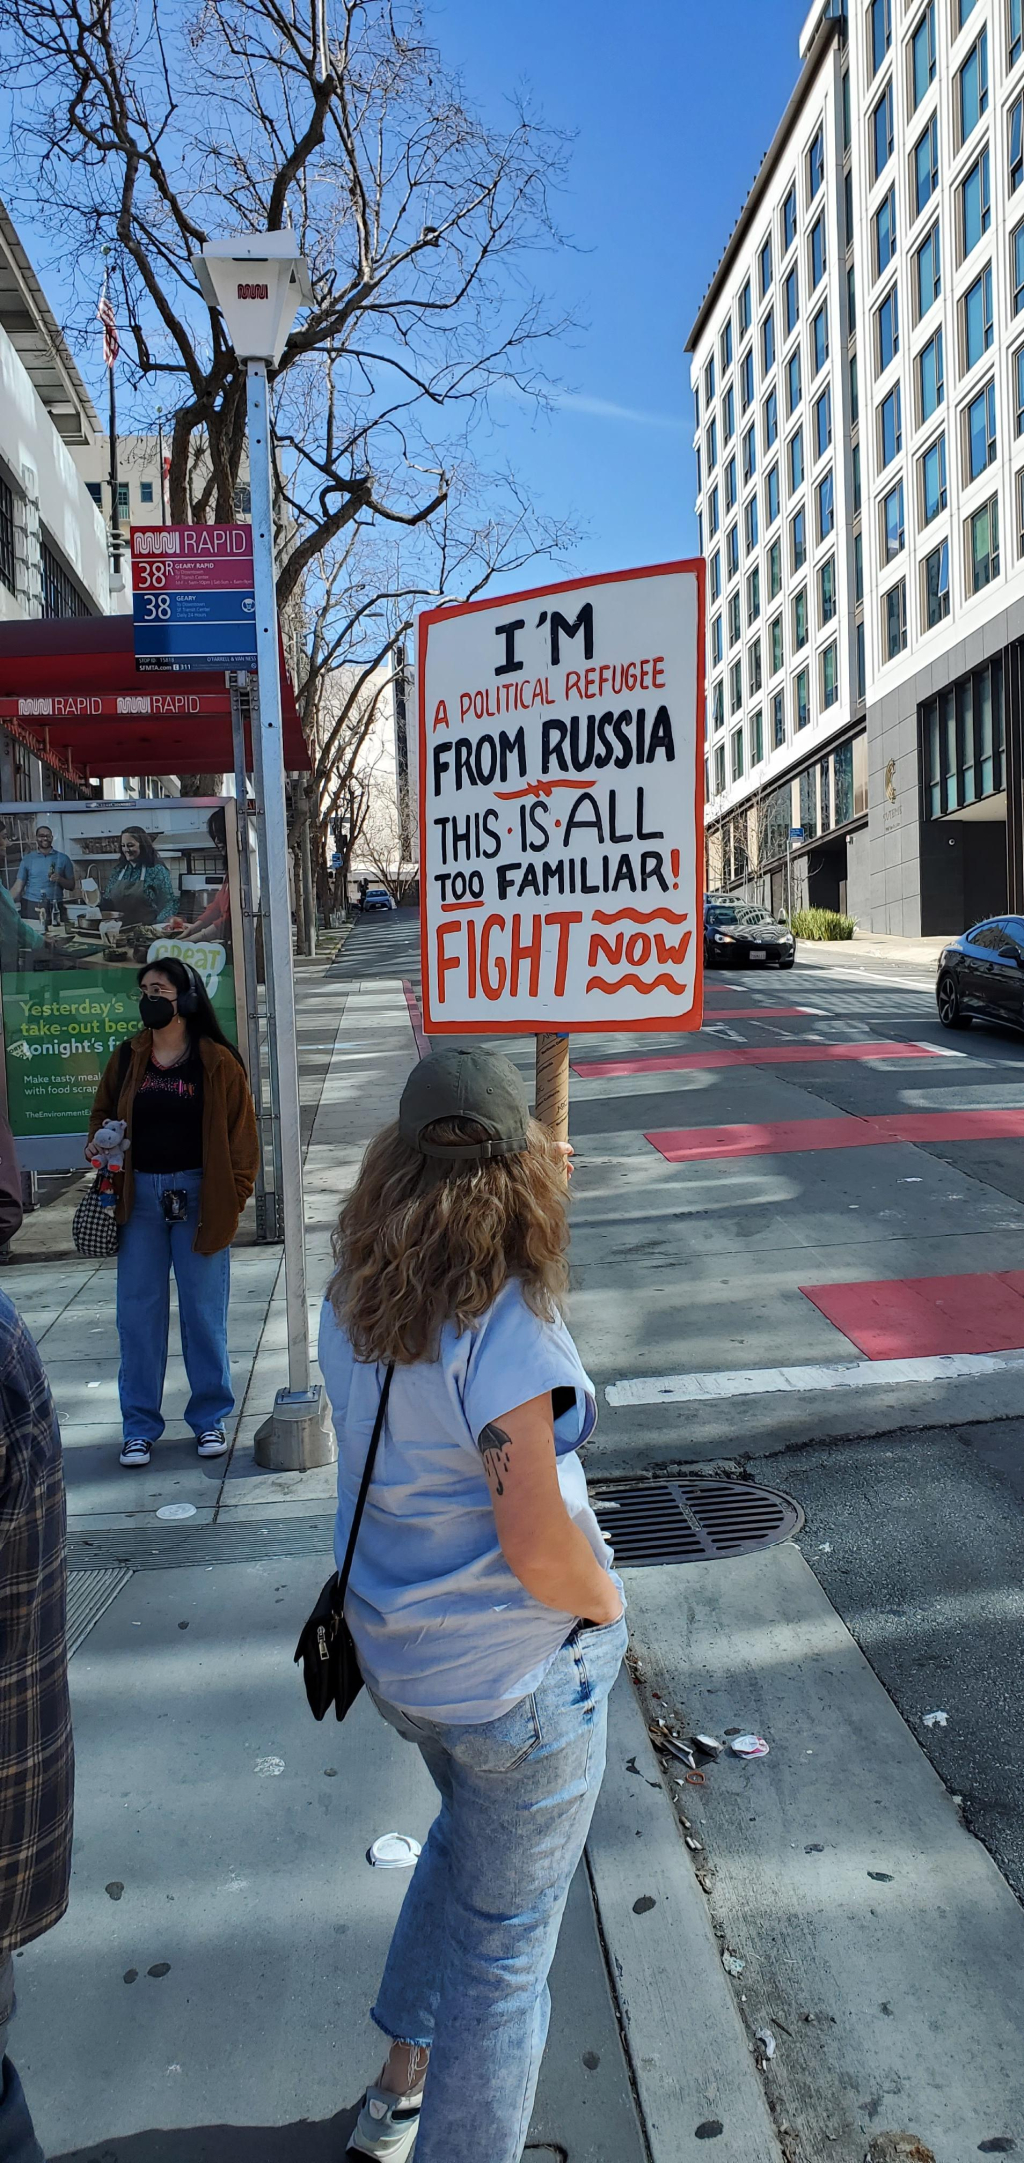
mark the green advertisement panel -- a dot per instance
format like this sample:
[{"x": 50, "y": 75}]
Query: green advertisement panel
[{"x": 89, "y": 893}]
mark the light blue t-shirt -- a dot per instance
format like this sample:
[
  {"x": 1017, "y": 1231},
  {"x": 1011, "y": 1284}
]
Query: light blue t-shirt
[
  {"x": 35, "y": 869},
  {"x": 442, "y": 1627}
]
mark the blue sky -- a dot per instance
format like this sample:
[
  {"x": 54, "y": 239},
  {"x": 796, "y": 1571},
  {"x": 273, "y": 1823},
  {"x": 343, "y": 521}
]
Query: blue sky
[{"x": 673, "y": 105}]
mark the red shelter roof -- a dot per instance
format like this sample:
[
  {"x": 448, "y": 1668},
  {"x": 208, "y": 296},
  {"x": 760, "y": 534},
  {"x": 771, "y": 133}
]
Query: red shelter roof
[{"x": 70, "y": 685}]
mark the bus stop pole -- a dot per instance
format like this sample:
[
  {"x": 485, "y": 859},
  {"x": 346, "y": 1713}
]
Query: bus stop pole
[
  {"x": 294, "y": 1437},
  {"x": 551, "y": 1094},
  {"x": 264, "y": 1230}
]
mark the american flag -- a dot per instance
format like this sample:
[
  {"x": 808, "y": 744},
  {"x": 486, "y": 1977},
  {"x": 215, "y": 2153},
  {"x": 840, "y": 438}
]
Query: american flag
[{"x": 105, "y": 314}]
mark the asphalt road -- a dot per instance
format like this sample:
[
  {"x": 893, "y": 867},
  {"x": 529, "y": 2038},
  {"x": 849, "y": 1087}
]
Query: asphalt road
[{"x": 914, "y": 1495}]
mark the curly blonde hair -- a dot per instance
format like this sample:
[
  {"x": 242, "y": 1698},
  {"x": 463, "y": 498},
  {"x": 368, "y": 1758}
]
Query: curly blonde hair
[{"x": 421, "y": 1242}]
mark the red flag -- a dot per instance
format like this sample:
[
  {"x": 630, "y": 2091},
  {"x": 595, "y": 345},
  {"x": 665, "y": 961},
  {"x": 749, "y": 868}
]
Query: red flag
[{"x": 105, "y": 314}]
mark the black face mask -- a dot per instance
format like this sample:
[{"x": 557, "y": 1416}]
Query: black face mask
[{"x": 156, "y": 1012}]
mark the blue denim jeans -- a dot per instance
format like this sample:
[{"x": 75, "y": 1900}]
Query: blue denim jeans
[
  {"x": 18, "y": 2143},
  {"x": 468, "y": 1965},
  {"x": 149, "y": 1249}
]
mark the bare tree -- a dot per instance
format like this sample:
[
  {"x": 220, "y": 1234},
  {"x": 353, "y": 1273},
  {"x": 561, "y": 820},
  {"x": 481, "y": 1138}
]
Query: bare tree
[{"x": 147, "y": 130}]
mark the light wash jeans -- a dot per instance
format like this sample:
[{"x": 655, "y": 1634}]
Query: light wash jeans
[
  {"x": 468, "y": 1965},
  {"x": 149, "y": 1249},
  {"x": 18, "y": 2143}
]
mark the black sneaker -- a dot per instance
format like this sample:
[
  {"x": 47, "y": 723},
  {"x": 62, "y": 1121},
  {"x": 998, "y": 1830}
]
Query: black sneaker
[
  {"x": 136, "y": 1454},
  {"x": 211, "y": 1443}
]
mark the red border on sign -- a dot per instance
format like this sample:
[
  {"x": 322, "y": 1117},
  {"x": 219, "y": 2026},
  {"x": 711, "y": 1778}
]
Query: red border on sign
[{"x": 520, "y": 1026}]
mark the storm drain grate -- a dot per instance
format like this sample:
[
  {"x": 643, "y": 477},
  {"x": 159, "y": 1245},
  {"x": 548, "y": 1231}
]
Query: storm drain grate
[
  {"x": 89, "y": 1595},
  {"x": 694, "y": 1521}
]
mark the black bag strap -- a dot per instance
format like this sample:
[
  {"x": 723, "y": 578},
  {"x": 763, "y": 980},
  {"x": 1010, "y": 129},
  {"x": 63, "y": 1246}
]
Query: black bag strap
[{"x": 364, "y": 1485}]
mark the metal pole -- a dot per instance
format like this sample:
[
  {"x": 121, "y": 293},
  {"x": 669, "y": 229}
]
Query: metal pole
[
  {"x": 163, "y": 476},
  {"x": 277, "y": 915},
  {"x": 551, "y": 1093},
  {"x": 252, "y": 1009},
  {"x": 306, "y": 866},
  {"x": 274, "y": 1199}
]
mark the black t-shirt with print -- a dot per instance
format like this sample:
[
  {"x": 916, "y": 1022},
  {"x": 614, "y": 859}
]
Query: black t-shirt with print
[{"x": 167, "y": 1117}]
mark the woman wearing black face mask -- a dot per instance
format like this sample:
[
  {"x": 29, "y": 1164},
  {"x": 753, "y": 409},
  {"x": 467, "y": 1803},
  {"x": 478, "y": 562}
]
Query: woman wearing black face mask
[{"x": 190, "y": 1167}]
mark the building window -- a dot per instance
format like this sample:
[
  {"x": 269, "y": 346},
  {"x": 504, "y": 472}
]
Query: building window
[
  {"x": 818, "y": 256},
  {"x": 711, "y": 445},
  {"x": 709, "y": 382},
  {"x": 730, "y": 484},
  {"x": 61, "y": 596},
  {"x": 749, "y": 454},
  {"x": 930, "y": 377},
  {"x": 829, "y": 678},
  {"x": 1020, "y": 514},
  {"x": 894, "y": 531},
  {"x": 885, "y": 233},
  {"x": 1016, "y": 45},
  {"x": 819, "y": 337},
  {"x": 894, "y": 620},
  {"x": 1018, "y": 392},
  {"x": 854, "y": 390},
  {"x": 768, "y": 342},
  {"x": 744, "y": 309},
  {"x": 815, "y": 165},
  {"x": 734, "y": 619},
  {"x": 1017, "y": 270},
  {"x": 1016, "y": 144},
  {"x": 123, "y": 499},
  {"x": 975, "y": 204},
  {"x": 800, "y": 624},
  {"x": 716, "y": 575},
  {"x": 735, "y": 687},
  {"x": 747, "y": 380},
  {"x": 922, "y": 56},
  {"x": 972, "y": 87},
  {"x": 928, "y": 273},
  {"x": 826, "y": 508},
  {"x": 737, "y": 755},
  {"x": 823, "y": 424},
  {"x": 789, "y": 220},
  {"x": 848, "y": 206},
  {"x": 802, "y": 698},
  {"x": 936, "y": 585},
  {"x": 753, "y": 596},
  {"x": 778, "y": 720},
  {"x": 858, "y": 566},
  {"x": 7, "y": 572},
  {"x": 771, "y": 420},
  {"x": 713, "y": 513},
  {"x": 732, "y": 552},
  {"x": 717, "y": 706},
  {"x": 794, "y": 389},
  {"x": 719, "y": 769},
  {"x": 827, "y": 592},
  {"x": 983, "y": 546},
  {"x": 243, "y": 500},
  {"x": 796, "y": 461},
  {"x": 750, "y": 524},
  {"x": 756, "y": 738},
  {"x": 725, "y": 347},
  {"x": 855, "y": 464},
  {"x": 964, "y": 8},
  {"x": 887, "y": 330},
  {"x": 880, "y": 18},
  {"x": 977, "y": 319},
  {"x": 776, "y": 652},
  {"x": 881, "y": 133},
  {"x": 890, "y": 427},
  {"x": 798, "y": 538},
  {"x": 716, "y": 641},
  {"x": 766, "y": 267},
  {"x": 861, "y": 664},
  {"x": 774, "y": 570},
  {"x": 980, "y": 432},
  {"x": 95, "y": 489},
  {"x": 934, "y": 493},
  {"x": 728, "y": 415},
  {"x": 926, "y": 165},
  {"x": 754, "y": 668},
  {"x": 962, "y": 734},
  {"x": 791, "y": 300},
  {"x": 771, "y": 495}
]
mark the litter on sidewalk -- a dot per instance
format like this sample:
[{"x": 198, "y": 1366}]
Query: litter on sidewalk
[{"x": 393, "y": 1851}]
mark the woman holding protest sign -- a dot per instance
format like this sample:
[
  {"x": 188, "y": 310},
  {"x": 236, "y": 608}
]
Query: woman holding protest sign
[
  {"x": 174, "y": 1120},
  {"x": 486, "y": 1616}
]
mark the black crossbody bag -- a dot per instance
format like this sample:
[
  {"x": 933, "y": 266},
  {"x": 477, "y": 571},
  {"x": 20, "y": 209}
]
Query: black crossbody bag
[{"x": 330, "y": 1669}]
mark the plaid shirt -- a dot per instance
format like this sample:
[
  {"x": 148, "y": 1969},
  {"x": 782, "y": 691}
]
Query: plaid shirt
[{"x": 36, "y": 1760}]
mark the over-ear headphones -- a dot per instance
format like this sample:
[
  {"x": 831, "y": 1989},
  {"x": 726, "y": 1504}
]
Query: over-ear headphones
[{"x": 188, "y": 1001}]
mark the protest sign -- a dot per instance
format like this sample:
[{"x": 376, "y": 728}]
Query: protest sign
[{"x": 561, "y": 779}]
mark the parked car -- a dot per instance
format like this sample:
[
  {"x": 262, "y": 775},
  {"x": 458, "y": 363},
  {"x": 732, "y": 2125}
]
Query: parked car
[
  {"x": 377, "y": 897},
  {"x": 982, "y": 973},
  {"x": 740, "y": 934}
]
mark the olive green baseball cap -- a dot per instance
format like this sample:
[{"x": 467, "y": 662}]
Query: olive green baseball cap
[{"x": 457, "y": 1084}]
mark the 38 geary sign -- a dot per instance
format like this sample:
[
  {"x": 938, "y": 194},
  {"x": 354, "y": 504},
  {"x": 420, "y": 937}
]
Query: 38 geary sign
[{"x": 561, "y": 769}]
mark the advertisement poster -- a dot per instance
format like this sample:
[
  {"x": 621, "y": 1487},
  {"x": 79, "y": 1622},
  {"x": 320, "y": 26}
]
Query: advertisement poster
[
  {"x": 88, "y": 894},
  {"x": 561, "y": 777}
]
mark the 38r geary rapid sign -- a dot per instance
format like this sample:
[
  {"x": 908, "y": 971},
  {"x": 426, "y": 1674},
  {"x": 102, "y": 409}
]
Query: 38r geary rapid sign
[{"x": 561, "y": 770}]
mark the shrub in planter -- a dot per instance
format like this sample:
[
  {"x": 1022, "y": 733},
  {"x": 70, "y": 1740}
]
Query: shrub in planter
[{"x": 821, "y": 924}]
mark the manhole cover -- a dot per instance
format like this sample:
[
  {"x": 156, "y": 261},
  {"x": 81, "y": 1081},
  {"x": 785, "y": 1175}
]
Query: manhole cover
[{"x": 694, "y": 1521}]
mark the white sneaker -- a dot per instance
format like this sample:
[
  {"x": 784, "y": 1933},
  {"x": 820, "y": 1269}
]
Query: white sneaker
[
  {"x": 387, "y": 2125},
  {"x": 211, "y": 1443}
]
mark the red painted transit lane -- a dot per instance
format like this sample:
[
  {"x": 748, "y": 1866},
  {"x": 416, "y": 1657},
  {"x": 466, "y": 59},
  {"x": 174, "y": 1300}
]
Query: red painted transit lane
[
  {"x": 917, "y": 1317},
  {"x": 678, "y": 1062},
  {"x": 782, "y": 1137}
]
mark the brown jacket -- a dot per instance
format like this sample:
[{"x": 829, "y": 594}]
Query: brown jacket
[{"x": 230, "y": 1147}]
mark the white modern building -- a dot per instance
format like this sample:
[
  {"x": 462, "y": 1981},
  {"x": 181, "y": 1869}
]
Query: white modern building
[{"x": 858, "y": 371}]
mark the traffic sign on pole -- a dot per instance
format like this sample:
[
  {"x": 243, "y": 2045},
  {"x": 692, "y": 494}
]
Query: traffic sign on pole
[{"x": 193, "y": 597}]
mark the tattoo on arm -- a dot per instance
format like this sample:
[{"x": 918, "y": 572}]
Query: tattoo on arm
[{"x": 494, "y": 1446}]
